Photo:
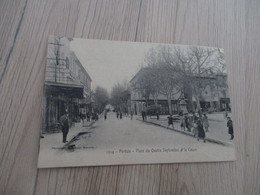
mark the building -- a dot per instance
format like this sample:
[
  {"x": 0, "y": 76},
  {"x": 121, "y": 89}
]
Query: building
[
  {"x": 214, "y": 97},
  {"x": 67, "y": 84},
  {"x": 139, "y": 103}
]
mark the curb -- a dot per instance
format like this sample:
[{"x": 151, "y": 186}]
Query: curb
[
  {"x": 73, "y": 139},
  {"x": 189, "y": 134}
]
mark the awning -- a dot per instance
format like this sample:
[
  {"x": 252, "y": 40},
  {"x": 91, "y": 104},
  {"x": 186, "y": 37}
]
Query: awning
[{"x": 70, "y": 90}]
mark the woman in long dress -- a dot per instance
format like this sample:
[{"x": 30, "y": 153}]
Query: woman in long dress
[{"x": 201, "y": 132}]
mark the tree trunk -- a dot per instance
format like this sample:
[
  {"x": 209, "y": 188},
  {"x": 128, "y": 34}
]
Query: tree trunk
[
  {"x": 169, "y": 104},
  {"x": 155, "y": 101},
  {"x": 188, "y": 95},
  {"x": 146, "y": 101},
  {"x": 196, "y": 94},
  {"x": 198, "y": 107},
  {"x": 198, "y": 103}
]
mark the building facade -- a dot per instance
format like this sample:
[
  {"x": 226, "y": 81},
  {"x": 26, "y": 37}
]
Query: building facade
[
  {"x": 139, "y": 103},
  {"x": 213, "y": 97},
  {"x": 67, "y": 84}
]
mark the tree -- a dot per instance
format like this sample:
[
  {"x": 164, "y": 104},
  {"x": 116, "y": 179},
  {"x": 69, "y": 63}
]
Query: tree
[
  {"x": 170, "y": 84},
  {"x": 145, "y": 84},
  {"x": 196, "y": 67},
  {"x": 164, "y": 78},
  {"x": 171, "y": 70},
  {"x": 101, "y": 98},
  {"x": 202, "y": 66},
  {"x": 120, "y": 96}
]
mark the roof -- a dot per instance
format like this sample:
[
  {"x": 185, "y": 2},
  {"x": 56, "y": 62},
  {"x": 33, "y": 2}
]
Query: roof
[
  {"x": 138, "y": 73},
  {"x": 72, "y": 90}
]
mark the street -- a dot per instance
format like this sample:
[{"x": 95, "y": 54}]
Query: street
[
  {"x": 124, "y": 134},
  {"x": 114, "y": 133}
]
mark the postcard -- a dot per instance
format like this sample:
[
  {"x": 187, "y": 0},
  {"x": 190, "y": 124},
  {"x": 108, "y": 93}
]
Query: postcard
[{"x": 117, "y": 102}]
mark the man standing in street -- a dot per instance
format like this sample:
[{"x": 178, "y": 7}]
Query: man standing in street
[
  {"x": 81, "y": 116},
  {"x": 64, "y": 121},
  {"x": 170, "y": 121},
  {"x": 143, "y": 115},
  {"x": 121, "y": 114},
  {"x": 117, "y": 114},
  {"x": 88, "y": 116},
  {"x": 105, "y": 114},
  {"x": 230, "y": 127}
]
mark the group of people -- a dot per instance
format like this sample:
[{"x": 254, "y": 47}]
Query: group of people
[
  {"x": 119, "y": 114},
  {"x": 65, "y": 122},
  {"x": 199, "y": 125},
  {"x": 90, "y": 116},
  {"x": 144, "y": 115}
]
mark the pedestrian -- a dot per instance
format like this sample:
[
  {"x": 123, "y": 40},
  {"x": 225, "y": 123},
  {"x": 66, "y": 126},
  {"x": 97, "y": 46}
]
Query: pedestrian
[
  {"x": 194, "y": 117},
  {"x": 121, "y": 115},
  {"x": 93, "y": 117},
  {"x": 132, "y": 113},
  {"x": 80, "y": 116},
  {"x": 105, "y": 114},
  {"x": 88, "y": 117},
  {"x": 230, "y": 128},
  {"x": 183, "y": 119},
  {"x": 117, "y": 114},
  {"x": 225, "y": 114},
  {"x": 201, "y": 132},
  {"x": 188, "y": 123},
  {"x": 170, "y": 121},
  {"x": 157, "y": 114},
  {"x": 195, "y": 129},
  {"x": 143, "y": 115},
  {"x": 205, "y": 123},
  {"x": 64, "y": 121},
  {"x": 145, "y": 112},
  {"x": 96, "y": 116}
]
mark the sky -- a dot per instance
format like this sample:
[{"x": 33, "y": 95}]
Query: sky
[{"x": 109, "y": 62}]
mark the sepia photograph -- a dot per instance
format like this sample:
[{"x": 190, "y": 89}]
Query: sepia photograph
[{"x": 117, "y": 102}]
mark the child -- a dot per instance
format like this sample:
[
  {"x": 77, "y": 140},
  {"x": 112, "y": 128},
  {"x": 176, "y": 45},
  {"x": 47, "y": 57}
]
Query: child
[
  {"x": 205, "y": 123},
  {"x": 195, "y": 129},
  {"x": 170, "y": 121}
]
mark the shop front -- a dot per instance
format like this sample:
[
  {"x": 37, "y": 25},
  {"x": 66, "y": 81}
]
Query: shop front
[
  {"x": 225, "y": 104},
  {"x": 60, "y": 98}
]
